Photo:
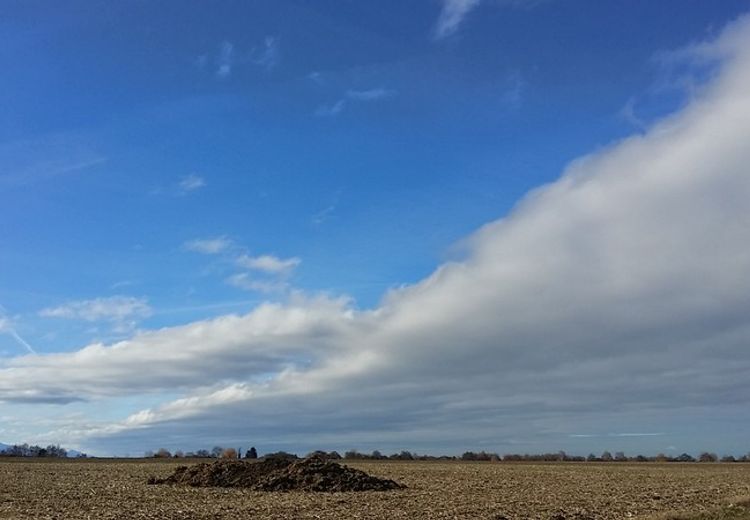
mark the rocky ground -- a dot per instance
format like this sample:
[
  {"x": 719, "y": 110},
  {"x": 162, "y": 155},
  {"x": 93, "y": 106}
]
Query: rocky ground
[{"x": 104, "y": 489}]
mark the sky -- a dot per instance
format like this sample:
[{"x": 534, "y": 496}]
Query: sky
[{"x": 436, "y": 226}]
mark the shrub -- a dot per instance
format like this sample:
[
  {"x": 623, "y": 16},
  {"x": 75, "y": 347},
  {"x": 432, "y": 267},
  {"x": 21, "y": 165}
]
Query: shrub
[{"x": 229, "y": 453}]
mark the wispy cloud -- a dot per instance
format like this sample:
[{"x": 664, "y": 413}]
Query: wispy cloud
[
  {"x": 113, "y": 308},
  {"x": 190, "y": 183},
  {"x": 451, "y": 15},
  {"x": 229, "y": 57},
  {"x": 121, "y": 313},
  {"x": 208, "y": 246},
  {"x": 30, "y": 161},
  {"x": 637, "y": 434},
  {"x": 514, "y": 88},
  {"x": 122, "y": 283},
  {"x": 331, "y": 110},
  {"x": 369, "y": 95},
  {"x": 628, "y": 114},
  {"x": 266, "y": 55},
  {"x": 625, "y": 434},
  {"x": 225, "y": 60},
  {"x": 184, "y": 186},
  {"x": 269, "y": 263},
  {"x": 7, "y": 327},
  {"x": 327, "y": 212},
  {"x": 454, "y": 12},
  {"x": 324, "y": 214},
  {"x": 247, "y": 282}
]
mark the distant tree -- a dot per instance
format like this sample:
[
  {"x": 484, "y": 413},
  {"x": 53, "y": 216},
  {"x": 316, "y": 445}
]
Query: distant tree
[
  {"x": 317, "y": 453},
  {"x": 606, "y": 456},
  {"x": 54, "y": 450},
  {"x": 229, "y": 453},
  {"x": 162, "y": 453},
  {"x": 641, "y": 458},
  {"x": 661, "y": 458},
  {"x": 468, "y": 455},
  {"x": 576, "y": 458},
  {"x": 708, "y": 457},
  {"x": 620, "y": 456},
  {"x": 685, "y": 457},
  {"x": 178, "y": 454},
  {"x": 203, "y": 454},
  {"x": 406, "y": 455},
  {"x": 216, "y": 451},
  {"x": 592, "y": 458},
  {"x": 281, "y": 455},
  {"x": 728, "y": 458},
  {"x": 376, "y": 455}
]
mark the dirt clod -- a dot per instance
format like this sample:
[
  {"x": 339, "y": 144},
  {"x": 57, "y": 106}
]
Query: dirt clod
[{"x": 274, "y": 474}]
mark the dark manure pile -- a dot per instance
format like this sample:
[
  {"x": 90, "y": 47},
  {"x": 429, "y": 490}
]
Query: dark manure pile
[{"x": 312, "y": 474}]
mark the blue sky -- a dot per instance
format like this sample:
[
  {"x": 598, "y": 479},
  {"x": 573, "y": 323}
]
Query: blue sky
[{"x": 299, "y": 172}]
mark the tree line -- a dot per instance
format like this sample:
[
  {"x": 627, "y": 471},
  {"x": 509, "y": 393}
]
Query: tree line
[
  {"x": 560, "y": 456},
  {"x": 217, "y": 452},
  {"x": 26, "y": 450}
]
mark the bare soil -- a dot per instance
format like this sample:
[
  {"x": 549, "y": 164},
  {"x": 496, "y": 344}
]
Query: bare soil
[{"x": 109, "y": 489}]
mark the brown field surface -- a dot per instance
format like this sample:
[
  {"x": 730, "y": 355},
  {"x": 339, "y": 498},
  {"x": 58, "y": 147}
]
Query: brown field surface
[{"x": 78, "y": 489}]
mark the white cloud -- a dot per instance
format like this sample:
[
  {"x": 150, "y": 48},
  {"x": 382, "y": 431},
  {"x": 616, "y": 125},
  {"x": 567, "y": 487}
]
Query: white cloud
[
  {"x": 198, "y": 354},
  {"x": 452, "y": 14},
  {"x": 269, "y": 263},
  {"x": 617, "y": 295},
  {"x": 208, "y": 246},
  {"x": 271, "y": 272},
  {"x": 113, "y": 308},
  {"x": 190, "y": 183}
]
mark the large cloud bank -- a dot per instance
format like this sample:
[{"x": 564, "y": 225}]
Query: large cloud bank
[{"x": 620, "y": 291}]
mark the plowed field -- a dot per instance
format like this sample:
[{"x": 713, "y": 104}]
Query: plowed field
[{"x": 77, "y": 489}]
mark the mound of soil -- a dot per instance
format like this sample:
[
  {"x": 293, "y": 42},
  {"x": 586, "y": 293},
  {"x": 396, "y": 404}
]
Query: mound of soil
[{"x": 275, "y": 474}]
